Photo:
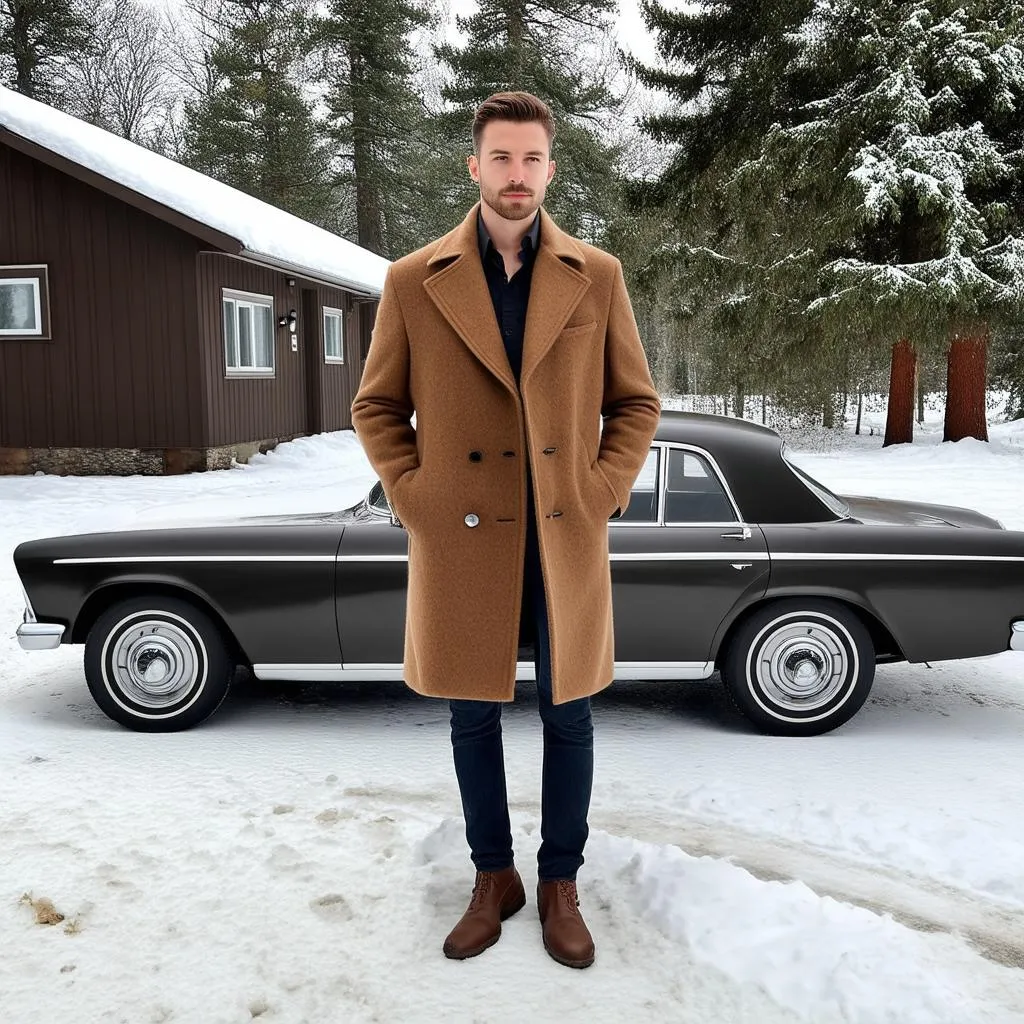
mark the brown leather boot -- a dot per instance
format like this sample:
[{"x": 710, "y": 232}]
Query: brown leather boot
[
  {"x": 497, "y": 895},
  {"x": 566, "y": 936}
]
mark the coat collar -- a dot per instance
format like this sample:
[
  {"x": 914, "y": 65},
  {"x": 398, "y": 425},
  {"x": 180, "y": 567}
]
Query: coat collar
[
  {"x": 464, "y": 237},
  {"x": 459, "y": 290}
]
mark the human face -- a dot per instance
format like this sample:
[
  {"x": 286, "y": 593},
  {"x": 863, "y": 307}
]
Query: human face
[{"x": 513, "y": 168}]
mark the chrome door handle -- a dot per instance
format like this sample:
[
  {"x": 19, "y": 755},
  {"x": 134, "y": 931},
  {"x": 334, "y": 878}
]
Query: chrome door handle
[{"x": 743, "y": 534}]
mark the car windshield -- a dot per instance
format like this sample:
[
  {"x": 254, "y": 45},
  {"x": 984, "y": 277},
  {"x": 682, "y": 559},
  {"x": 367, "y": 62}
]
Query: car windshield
[
  {"x": 377, "y": 498},
  {"x": 831, "y": 501}
]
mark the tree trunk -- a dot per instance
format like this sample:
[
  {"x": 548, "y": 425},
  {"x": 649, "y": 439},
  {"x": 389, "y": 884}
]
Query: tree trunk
[
  {"x": 369, "y": 228},
  {"x": 899, "y": 420},
  {"x": 828, "y": 413},
  {"x": 860, "y": 409},
  {"x": 965, "y": 386},
  {"x": 764, "y": 409},
  {"x": 920, "y": 393},
  {"x": 739, "y": 399}
]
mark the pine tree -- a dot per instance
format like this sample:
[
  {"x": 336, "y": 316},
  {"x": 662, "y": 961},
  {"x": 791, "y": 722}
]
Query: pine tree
[
  {"x": 376, "y": 119},
  {"x": 561, "y": 51},
  {"x": 36, "y": 39},
  {"x": 931, "y": 102},
  {"x": 727, "y": 75},
  {"x": 844, "y": 169},
  {"x": 256, "y": 130}
]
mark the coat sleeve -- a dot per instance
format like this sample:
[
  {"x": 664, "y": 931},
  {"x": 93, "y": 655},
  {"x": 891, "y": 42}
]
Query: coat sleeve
[
  {"x": 631, "y": 407},
  {"x": 382, "y": 408}
]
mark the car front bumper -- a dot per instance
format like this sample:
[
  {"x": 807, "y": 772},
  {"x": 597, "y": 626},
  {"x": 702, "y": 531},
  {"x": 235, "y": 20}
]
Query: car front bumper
[
  {"x": 1017, "y": 635},
  {"x": 43, "y": 636}
]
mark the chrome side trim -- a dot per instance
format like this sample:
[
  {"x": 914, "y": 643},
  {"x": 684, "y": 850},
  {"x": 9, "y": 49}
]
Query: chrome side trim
[
  {"x": 1017, "y": 635},
  {"x": 40, "y": 636},
  {"x": 687, "y": 556},
  {"x": 113, "y": 559},
  {"x": 624, "y": 556},
  {"x": 525, "y": 670},
  {"x": 633, "y": 556},
  {"x": 850, "y": 556},
  {"x": 373, "y": 558}
]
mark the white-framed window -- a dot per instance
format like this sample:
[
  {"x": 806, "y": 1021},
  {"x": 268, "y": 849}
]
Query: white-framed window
[
  {"x": 334, "y": 335},
  {"x": 248, "y": 332},
  {"x": 24, "y": 302}
]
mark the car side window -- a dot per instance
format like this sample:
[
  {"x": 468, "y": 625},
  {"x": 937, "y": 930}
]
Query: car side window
[
  {"x": 643, "y": 498},
  {"x": 693, "y": 492}
]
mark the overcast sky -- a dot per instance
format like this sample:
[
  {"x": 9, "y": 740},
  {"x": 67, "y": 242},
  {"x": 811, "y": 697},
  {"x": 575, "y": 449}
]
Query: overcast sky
[{"x": 632, "y": 33}]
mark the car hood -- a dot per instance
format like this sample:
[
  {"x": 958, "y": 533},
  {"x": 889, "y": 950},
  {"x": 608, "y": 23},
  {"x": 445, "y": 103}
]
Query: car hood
[{"x": 889, "y": 512}]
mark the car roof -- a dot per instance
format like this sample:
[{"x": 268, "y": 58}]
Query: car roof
[{"x": 750, "y": 456}]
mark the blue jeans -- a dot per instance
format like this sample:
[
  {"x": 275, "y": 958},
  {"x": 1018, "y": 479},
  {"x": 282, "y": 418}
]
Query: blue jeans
[{"x": 568, "y": 768}]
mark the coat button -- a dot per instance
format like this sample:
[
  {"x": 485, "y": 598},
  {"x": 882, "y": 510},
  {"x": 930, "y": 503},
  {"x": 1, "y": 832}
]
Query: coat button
[
  {"x": 475, "y": 456},
  {"x": 472, "y": 519},
  {"x": 509, "y": 454}
]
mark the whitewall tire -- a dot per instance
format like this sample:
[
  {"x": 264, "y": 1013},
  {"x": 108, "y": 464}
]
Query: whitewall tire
[
  {"x": 157, "y": 664},
  {"x": 800, "y": 666}
]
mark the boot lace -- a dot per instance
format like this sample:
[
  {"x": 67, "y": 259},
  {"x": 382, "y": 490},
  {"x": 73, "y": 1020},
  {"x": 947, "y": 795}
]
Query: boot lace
[
  {"x": 567, "y": 890},
  {"x": 483, "y": 884}
]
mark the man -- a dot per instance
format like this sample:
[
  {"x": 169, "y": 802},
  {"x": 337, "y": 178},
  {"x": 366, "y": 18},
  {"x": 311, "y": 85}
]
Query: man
[{"x": 510, "y": 340}]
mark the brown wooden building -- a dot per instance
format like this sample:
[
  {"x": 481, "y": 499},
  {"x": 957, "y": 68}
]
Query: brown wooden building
[{"x": 153, "y": 320}]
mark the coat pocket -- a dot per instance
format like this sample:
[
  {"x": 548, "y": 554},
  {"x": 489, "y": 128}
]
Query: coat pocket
[
  {"x": 600, "y": 499},
  {"x": 404, "y": 497}
]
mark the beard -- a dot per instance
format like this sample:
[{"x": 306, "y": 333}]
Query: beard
[{"x": 511, "y": 209}]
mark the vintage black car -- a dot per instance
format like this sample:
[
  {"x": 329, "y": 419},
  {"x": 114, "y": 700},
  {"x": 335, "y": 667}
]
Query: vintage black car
[{"x": 727, "y": 557}]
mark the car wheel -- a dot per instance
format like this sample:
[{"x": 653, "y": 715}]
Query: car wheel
[
  {"x": 157, "y": 664},
  {"x": 800, "y": 667}
]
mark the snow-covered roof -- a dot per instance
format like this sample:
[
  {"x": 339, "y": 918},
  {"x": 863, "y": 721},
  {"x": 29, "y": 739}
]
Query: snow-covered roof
[{"x": 264, "y": 232}]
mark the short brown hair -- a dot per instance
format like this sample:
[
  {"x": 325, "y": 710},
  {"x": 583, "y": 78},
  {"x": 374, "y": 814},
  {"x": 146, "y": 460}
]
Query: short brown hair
[{"x": 512, "y": 106}]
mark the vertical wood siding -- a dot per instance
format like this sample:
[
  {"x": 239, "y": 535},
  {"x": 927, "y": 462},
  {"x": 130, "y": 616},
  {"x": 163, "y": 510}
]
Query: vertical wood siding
[
  {"x": 305, "y": 394},
  {"x": 137, "y": 352},
  {"x": 340, "y": 383},
  {"x": 122, "y": 368}
]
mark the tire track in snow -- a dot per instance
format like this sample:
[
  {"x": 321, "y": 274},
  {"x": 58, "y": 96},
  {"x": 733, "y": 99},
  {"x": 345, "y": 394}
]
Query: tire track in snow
[{"x": 994, "y": 930}]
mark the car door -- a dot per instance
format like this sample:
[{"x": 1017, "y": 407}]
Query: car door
[
  {"x": 371, "y": 582},
  {"x": 682, "y": 559}
]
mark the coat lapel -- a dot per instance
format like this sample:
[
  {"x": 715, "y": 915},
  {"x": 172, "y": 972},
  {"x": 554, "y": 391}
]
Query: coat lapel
[
  {"x": 459, "y": 290},
  {"x": 555, "y": 291}
]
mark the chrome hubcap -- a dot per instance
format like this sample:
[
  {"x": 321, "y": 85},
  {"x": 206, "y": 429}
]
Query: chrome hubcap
[
  {"x": 155, "y": 663},
  {"x": 803, "y": 666}
]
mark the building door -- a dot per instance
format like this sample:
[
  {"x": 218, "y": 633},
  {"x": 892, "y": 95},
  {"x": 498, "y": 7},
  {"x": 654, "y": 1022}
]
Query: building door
[{"x": 309, "y": 347}]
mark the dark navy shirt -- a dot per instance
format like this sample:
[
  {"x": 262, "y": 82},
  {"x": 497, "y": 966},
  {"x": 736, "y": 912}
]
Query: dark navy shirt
[{"x": 509, "y": 297}]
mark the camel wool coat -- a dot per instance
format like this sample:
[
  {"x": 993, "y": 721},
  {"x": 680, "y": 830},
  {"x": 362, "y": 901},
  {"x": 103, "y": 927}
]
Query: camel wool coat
[{"x": 457, "y": 481}]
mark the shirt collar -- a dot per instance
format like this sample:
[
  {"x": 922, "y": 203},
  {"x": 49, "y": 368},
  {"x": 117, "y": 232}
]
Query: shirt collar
[{"x": 484, "y": 238}]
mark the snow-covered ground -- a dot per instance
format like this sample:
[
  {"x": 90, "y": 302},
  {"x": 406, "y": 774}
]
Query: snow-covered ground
[{"x": 300, "y": 857}]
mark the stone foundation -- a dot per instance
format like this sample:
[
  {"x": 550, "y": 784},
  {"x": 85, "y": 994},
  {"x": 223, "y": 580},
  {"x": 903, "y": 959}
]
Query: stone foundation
[{"x": 129, "y": 461}]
